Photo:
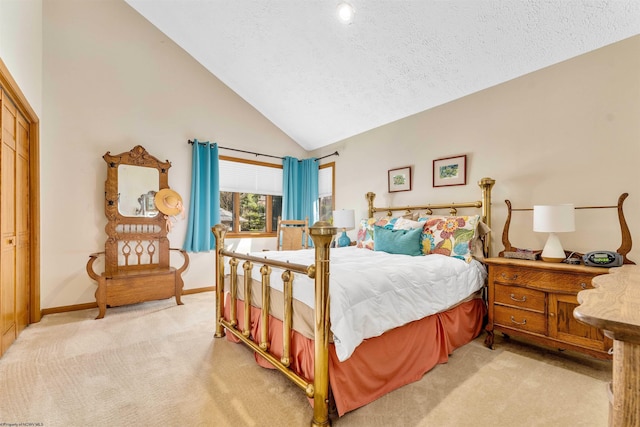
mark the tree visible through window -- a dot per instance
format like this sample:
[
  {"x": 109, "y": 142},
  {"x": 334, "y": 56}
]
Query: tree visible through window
[
  {"x": 326, "y": 208},
  {"x": 252, "y": 209},
  {"x": 325, "y": 191},
  {"x": 249, "y": 212}
]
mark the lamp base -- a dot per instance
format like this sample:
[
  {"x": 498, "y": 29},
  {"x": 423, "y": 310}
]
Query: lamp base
[
  {"x": 344, "y": 240},
  {"x": 547, "y": 259},
  {"x": 552, "y": 251}
]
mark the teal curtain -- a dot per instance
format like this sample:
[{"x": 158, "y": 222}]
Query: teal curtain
[
  {"x": 204, "y": 205},
  {"x": 300, "y": 189}
]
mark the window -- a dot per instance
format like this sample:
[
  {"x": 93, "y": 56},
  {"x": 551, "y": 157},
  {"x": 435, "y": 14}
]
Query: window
[
  {"x": 251, "y": 195},
  {"x": 250, "y": 212},
  {"x": 325, "y": 191}
]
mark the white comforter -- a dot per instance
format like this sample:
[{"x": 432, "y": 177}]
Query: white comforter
[{"x": 372, "y": 292}]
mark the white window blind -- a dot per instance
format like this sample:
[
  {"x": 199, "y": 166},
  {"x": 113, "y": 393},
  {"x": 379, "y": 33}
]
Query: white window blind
[
  {"x": 325, "y": 182},
  {"x": 239, "y": 177}
]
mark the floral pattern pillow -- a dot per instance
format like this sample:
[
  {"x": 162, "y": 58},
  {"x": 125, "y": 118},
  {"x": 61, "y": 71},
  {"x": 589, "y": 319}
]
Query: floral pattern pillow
[
  {"x": 449, "y": 235},
  {"x": 366, "y": 230}
]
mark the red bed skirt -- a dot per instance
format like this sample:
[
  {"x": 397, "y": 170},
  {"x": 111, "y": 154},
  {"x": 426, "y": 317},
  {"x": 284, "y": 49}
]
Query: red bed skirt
[{"x": 381, "y": 364}]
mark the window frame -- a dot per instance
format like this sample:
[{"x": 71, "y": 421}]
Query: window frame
[
  {"x": 236, "y": 202},
  {"x": 269, "y": 200}
]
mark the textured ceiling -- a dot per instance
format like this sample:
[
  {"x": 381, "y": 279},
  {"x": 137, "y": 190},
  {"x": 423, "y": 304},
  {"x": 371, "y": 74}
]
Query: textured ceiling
[{"x": 321, "y": 81}]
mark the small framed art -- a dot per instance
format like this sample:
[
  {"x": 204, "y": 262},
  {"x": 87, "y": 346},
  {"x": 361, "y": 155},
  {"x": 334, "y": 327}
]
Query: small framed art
[
  {"x": 450, "y": 171},
  {"x": 400, "y": 179}
]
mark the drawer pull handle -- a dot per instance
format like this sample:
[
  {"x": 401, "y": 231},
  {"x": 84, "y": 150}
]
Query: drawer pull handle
[
  {"x": 583, "y": 285},
  {"x": 524, "y": 322},
  {"x": 514, "y": 277},
  {"x": 513, "y": 297}
]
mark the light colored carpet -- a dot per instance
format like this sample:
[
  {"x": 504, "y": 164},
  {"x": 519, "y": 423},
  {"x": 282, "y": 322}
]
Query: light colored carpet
[{"x": 158, "y": 364}]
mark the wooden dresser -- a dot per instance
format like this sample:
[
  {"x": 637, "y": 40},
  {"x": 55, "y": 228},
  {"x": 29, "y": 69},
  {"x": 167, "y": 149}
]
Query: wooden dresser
[{"x": 535, "y": 300}]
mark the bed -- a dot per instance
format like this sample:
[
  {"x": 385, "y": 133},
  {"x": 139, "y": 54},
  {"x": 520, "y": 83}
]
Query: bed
[{"x": 384, "y": 316}]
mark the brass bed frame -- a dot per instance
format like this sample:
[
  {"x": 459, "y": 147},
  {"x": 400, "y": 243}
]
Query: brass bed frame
[{"x": 322, "y": 233}]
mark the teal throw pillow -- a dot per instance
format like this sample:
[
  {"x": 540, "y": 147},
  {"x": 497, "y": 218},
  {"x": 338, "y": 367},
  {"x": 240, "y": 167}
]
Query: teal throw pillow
[{"x": 404, "y": 242}]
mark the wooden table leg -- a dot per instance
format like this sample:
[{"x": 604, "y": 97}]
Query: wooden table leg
[{"x": 626, "y": 384}]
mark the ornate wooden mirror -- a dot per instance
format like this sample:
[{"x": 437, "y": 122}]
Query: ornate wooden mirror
[{"x": 137, "y": 252}]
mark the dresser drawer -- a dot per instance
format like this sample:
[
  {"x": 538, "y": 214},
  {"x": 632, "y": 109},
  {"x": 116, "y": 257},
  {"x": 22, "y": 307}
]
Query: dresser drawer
[
  {"x": 516, "y": 296},
  {"x": 547, "y": 280},
  {"x": 537, "y": 299},
  {"x": 520, "y": 319}
]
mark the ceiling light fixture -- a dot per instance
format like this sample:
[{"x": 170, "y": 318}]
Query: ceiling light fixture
[{"x": 346, "y": 12}]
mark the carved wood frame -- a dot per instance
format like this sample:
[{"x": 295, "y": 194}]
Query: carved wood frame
[
  {"x": 121, "y": 227},
  {"x": 625, "y": 245}
]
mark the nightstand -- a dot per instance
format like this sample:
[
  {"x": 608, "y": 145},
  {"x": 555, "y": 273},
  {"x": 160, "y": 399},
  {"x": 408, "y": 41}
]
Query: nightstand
[{"x": 534, "y": 300}]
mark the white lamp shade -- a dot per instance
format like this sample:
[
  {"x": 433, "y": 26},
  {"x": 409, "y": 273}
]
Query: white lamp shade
[
  {"x": 344, "y": 218},
  {"x": 554, "y": 218}
]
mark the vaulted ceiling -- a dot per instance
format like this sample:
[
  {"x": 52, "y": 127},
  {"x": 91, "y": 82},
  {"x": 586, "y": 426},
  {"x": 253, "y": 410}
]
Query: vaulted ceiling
[{"x": 321, "y": 80}]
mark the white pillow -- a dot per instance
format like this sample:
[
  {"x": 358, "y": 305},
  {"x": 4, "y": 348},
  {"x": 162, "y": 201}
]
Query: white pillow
[{"x": 406, "y": 224}]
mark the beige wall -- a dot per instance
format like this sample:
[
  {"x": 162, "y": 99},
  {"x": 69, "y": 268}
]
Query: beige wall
[
  {"x": 21, "y": 46},
  {"x": 569, "y": 133},
  {"x": 113, "y": 81}
]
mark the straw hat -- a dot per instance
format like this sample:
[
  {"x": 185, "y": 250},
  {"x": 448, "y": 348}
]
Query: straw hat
[{"x": 168, "y": 202}]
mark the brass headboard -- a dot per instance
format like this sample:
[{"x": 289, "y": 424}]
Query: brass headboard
[{"x": 485, "y": 185}]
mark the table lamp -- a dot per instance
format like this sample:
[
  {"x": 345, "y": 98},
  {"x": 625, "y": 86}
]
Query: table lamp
[
  {"x": 346, "y": 220},
  {"x": 553, "y": 219}
]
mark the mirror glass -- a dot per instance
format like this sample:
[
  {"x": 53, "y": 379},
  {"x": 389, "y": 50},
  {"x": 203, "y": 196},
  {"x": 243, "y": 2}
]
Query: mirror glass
[{"x": 137, "y": 186}]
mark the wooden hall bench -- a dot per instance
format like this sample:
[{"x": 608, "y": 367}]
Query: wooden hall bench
[{"x": 137, "y": 253}]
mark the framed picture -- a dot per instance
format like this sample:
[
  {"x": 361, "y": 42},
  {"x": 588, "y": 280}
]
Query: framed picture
[
  {"x": 450, "y": 171},
  {"x": 400, "y": 179}
]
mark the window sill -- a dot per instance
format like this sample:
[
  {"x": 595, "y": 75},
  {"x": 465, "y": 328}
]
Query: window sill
[{"x": 248, "y": 235}]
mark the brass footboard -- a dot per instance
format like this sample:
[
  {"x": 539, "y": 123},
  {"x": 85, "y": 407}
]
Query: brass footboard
[{"x": 321, "y": 234}]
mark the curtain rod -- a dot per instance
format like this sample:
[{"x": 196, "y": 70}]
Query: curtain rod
[{"x": 264, "y": 155}]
